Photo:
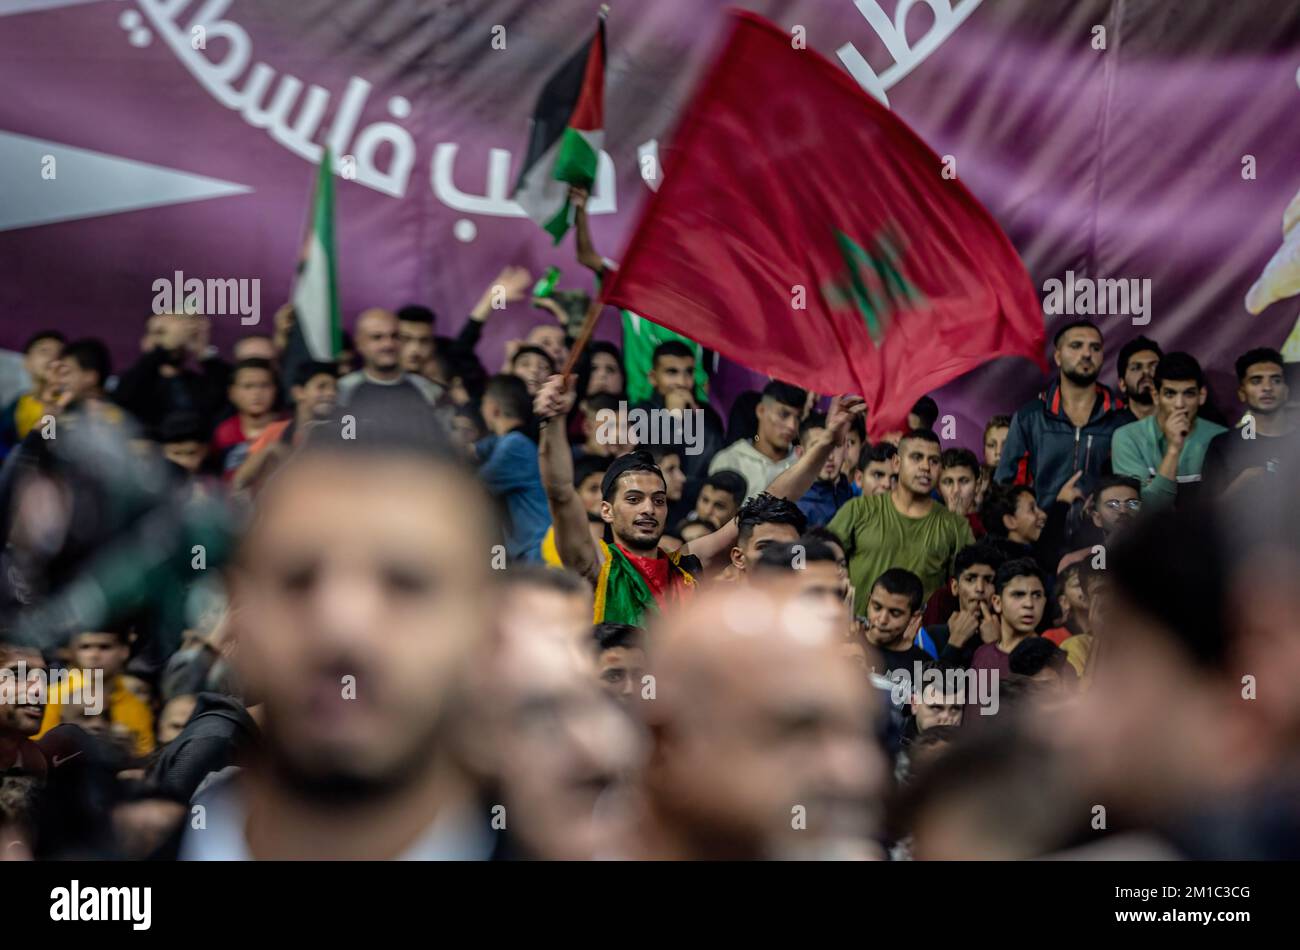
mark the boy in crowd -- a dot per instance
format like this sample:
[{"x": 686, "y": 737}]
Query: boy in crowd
[
  {"x": 105, "y": 652},
  {"x": 893, "y": 615},
  {"x": 672, "y": 374},
  {"x": 720, "y": 497},
  {"x": 252, "y": 392},
  {"x": 995, "y": 437},
  {"x": 508, "y": 466},
  {"x": 973, "y": 621},
  {"x": 1071, "y": 604},
  {"x": 40, "y": 359},
  {"x": 877, "y": 469},
  {"x": 1019, "y": 597},
  {"x": 959, "y": 474},
  {"x": 1236, "y": 458},
  {"x": 1165, "y": 451},
  {"x": 772, "y": 450},
  {"x": 620, "y": 659},
  {"x": 832, "y": 489}
]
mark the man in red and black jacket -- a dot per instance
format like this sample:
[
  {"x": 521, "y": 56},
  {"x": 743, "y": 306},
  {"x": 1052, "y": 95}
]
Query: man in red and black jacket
[{"x": 1067, "y": 429}]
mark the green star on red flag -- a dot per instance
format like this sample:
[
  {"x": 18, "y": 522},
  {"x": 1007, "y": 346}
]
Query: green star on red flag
[{"x": 875, "y": 283}]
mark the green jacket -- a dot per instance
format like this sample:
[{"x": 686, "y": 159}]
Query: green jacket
[{"x": 1138, "y": 448}]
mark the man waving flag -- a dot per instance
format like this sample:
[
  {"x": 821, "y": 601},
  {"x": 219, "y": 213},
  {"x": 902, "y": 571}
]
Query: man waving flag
[{"x": 808, "y": 233}]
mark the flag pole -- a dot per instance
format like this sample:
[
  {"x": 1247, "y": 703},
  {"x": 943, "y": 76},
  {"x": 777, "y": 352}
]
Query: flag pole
[
  {"x": 584, "y": 334},
  {"x": 594, "y": 308}
]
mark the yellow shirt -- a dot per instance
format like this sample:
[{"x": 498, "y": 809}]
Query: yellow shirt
[
  {"x": 27, "y": 413},
  {"x": 124, "y": 708},
  {"x": 1078, "y": 650}
]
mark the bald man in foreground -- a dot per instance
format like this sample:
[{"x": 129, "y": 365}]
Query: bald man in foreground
[
  {"x": 381, "y": 387},
  {"x": 762, "y": 743}
]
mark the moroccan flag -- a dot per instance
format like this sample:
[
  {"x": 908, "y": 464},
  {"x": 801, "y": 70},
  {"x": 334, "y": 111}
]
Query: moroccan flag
[
  {"x": 805, "y": 231},
  {"x": 565, "y": 137},
  {"x": 315, "y": 292}
]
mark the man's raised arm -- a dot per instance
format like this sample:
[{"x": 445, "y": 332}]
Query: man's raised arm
[
  {"x": 572, "y": 535},
  {"x": 794, "y": 482}
]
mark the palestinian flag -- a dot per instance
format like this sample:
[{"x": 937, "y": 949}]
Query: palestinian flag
[
  {"x": 565, "y": 137},
  {"x": 315, "y": 292}
]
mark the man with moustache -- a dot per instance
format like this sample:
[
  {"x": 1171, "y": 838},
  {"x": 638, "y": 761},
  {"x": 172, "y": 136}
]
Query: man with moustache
[
  {"x": 1068, "y": 428},
  {"x": 1237, "y": 458},
  {"x": 633, "y": 574},
  {"x": 761, "y": 735},
  {"x": 23, "y": 669},
  {"x": 1136, "y": 368},
  {"x": 905, "y": 528},
  {"x": 358, "y": 595}
]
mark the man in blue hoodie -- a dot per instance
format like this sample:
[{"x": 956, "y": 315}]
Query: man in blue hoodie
[{"x": 1068, "y": 428}]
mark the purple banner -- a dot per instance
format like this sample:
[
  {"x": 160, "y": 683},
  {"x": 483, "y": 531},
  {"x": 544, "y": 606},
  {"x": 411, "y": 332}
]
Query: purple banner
[{"x": 1145, "y": 143}]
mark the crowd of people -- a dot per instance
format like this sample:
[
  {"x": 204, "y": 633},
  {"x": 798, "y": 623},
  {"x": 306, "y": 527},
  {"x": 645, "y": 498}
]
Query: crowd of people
[{"x": 462, "y": 617}]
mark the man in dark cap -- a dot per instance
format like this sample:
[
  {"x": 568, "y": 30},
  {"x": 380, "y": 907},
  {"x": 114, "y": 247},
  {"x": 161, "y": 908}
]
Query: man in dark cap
[{"x": 632, "y": 573}]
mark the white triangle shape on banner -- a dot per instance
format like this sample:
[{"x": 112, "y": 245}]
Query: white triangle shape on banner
[{"x": 88, "y": 184}]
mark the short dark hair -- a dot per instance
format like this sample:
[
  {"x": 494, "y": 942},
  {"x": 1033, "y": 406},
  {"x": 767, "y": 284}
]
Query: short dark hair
[
  {"x": 814, "y": 420},
  {"x": 959, "y": 458},
  {"x": 927, "y": 410},
  {"x": 823, "y": 533},
  {"x": 416, "y": 313},
  {"x": 1139, "y": 344},
  {"x": 1116, "y": 481},
  {"x": 1034, "y": 655},
  {"x": 782, "y": 556},
  {"x": 598, "y": 403},
  {"x": 1260, "y": 354},
  {"x": 732, "y": 482},
  {"x": 90, "y": 353},
  {"x": 661, "y": 450},
  {"x": 638, "y": 460},
  {"x": 529, "y": 348},
  {"x": 1178, "y": 366},
  {"x": 880, "y": 452},
  {"x": 512, "y": 394},
  {"x": 764, "y": 508},
  {"x": 253, "y": 362},
  {"x": 1001, "y": 500},
  {"x": 40, "y": 336},
  {"x": 1017, "y": 567},
  {"x": 181, "y": 425},
  {"x": 921, "y": 435},
  {"x": 1074, "y": 325},
  {"x": 585, "y": 466},
  {"x": 690, "y": 520},
  {"x": 304, "y": 373},
  {"x": 610, "y": 636},
  {"x": 899, "y": 581},
  {"x": 977, "y": 553},
  {"x": 997, "y": 422},
  {"x": 670, "y": 348},
  {"x": 785, "y": 394}
]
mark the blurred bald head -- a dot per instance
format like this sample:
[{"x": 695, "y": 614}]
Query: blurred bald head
[
  {"x": 377, "y": 341},
  {"x": 763, "y": 742}
]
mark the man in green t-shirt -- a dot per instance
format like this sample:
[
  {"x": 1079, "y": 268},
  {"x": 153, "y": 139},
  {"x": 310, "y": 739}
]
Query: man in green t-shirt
[{"x": 905, "y": 527}]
